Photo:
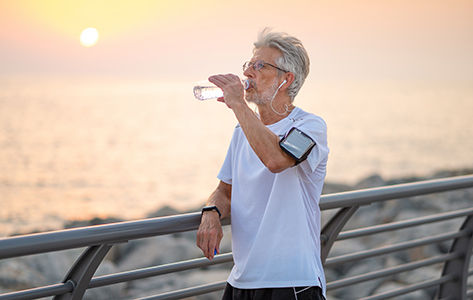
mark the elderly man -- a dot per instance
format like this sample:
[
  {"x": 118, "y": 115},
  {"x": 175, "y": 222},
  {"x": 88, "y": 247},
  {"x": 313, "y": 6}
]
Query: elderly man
[{"x": 271, "y": 179}]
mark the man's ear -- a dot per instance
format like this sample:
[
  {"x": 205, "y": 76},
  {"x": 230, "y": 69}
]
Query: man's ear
[{"x": 289, "y": 77}]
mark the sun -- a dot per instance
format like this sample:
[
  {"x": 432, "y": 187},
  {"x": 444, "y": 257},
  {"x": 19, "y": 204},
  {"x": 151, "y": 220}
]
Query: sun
[{"x": 89, "y": 37}]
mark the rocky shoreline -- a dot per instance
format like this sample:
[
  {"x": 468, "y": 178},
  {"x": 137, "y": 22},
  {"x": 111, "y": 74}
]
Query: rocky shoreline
[{"x": 31, "y": 271}]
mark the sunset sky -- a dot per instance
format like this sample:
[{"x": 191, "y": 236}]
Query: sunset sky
[
  {"x": 177, "y": 40},
  {"x": 110, "y": 127}
]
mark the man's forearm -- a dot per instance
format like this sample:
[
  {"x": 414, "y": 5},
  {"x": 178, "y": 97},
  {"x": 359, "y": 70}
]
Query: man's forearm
[
  {"x": 221, "y": 198},
  {"x": 210, "y": 231}
]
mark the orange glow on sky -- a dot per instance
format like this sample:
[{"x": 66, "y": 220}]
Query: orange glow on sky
[
  {"x": 111, "y": 17},
  {"x": 366, "y": 38}
]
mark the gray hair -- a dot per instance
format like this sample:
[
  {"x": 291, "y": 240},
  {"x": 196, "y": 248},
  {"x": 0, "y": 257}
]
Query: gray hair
[{"x": 294, "y": 56}]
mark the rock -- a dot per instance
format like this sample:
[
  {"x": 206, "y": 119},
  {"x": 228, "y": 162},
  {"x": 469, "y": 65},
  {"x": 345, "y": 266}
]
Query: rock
[
  {"x": 110, "y": 292},
  {"x": 459, "y": 199},
  {"x": 331, "y": 296},
  {"x": 331, "y": 274},
  {"x": 172, "y": 282},
  {"x": 156, "y": 251},
  {"x": 405, "y": 179},
  {"x": 361, "y": 289},
  {"x": 36, "y": 270},
  {"x": 164, "y": 211},
  {"x": 419, "y": 275},
  {"x": 391, "y": 285},
  {"x": 153, "y": 285},
  {"x": 211, "y": 276},
  {"x": 16, "y": 275},
  {"x": 4, "y": 291},
  {"x": 346, "y": 247},
  {"x": 342, "y": 248},
  {"x": 189, "y": 235},
  {"x": 50, "y": 268},
  {"x": 373, "y": 214},
  {"x": 450, "y": 173},
  {"x": 91, "y": 222},
  {"x": 370, "y": 182},
  {"x": 330, "y": 188}
]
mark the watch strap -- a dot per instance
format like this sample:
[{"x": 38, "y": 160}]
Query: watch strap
[{"x": 210, "y": 208}]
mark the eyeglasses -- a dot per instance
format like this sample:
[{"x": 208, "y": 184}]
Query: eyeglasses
[{"x": 258, "y": 65}]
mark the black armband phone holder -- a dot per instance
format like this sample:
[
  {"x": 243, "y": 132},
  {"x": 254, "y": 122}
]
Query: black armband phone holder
[{"x": 297, "y": 144}]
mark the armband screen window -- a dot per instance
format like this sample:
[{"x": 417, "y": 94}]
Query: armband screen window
[{"x": 297, "y": 144}]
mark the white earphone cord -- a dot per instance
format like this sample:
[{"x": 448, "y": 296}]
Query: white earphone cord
[{"x": 286, "y": 107}]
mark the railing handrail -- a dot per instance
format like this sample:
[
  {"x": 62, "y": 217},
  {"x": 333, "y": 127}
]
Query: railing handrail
[
  {"x": 123, "y": 231},
  {"x": 94, "y": 235},
  {"x": 375, "y": 229},
  {"x": 391, "y": 192},
  {"x": 345, "y": 258}
]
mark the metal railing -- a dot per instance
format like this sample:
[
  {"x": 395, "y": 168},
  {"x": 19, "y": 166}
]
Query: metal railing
[{"x": 451, "y": 284}]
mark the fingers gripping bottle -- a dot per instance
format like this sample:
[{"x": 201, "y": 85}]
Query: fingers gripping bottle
[{"x": 207, "y": 91}]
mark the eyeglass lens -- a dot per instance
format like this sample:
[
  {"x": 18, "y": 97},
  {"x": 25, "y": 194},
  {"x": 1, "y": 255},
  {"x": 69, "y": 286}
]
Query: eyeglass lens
[{"x": 258, "y": 65}]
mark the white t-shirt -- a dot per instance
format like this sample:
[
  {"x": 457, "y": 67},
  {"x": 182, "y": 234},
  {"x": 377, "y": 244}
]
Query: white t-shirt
[{"x": 276, "y": 217}]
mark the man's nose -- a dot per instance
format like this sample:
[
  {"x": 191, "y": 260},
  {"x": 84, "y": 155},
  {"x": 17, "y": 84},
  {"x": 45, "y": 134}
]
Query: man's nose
[{"x": 249, "y": 72}]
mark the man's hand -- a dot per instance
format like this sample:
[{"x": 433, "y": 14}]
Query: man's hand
[
  {"x": 209, "y": 234},
  {"x": 233, "y": 90}
]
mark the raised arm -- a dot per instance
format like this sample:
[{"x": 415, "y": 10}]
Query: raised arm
[{"x": 263, "y": 141}]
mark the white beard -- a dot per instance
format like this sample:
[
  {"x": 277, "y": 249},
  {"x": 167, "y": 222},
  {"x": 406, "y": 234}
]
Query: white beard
[{"x": 264, "y": 97}]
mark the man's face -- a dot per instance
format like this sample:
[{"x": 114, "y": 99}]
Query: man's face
[{"x": 264, "y": 82}]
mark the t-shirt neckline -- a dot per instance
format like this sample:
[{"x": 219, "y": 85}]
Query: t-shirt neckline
[{"x": 290, "y": 115}]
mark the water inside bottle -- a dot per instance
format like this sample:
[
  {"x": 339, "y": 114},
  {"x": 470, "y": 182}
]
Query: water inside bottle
[{"x": 207, "y": 92}]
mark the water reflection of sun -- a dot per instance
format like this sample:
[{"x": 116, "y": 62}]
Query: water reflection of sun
[{"x": 89, "y": 37}]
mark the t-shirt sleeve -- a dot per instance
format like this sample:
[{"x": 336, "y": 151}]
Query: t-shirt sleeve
[
  {"x": 317, "y": 130},
  {"x": 225, "y": 173}
]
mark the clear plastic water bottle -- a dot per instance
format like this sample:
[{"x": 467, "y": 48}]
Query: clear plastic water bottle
[{"x": 207, "y": 91}]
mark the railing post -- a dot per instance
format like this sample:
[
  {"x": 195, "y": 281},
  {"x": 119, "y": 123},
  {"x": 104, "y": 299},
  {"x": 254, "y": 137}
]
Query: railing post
[
  {"x": 456, "y": 289},
  {"x": 333, "y": 227},
  {"x": 82, "y": 271}
]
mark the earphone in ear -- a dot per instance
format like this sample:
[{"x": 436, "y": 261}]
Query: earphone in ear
[
  {"x": 282, "y": 84},
  {"x": 286, "y": 107}
]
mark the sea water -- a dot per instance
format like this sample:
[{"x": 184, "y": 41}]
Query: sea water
[{"x": 84, "y": 148}]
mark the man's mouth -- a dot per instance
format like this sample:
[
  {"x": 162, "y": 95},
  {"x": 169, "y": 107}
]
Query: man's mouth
[{"x": 251, "y": 84}]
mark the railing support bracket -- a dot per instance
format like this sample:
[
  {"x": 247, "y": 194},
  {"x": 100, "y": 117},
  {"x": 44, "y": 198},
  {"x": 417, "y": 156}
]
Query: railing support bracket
[
  {"x": 333, "y": 227},
  {"x": 456, "y": 289},
  {"x": 82, "y": 271}
]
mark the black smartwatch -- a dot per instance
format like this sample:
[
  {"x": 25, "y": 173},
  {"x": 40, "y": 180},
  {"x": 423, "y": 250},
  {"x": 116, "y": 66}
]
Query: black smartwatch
[{"x": 210, "y": 208}]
